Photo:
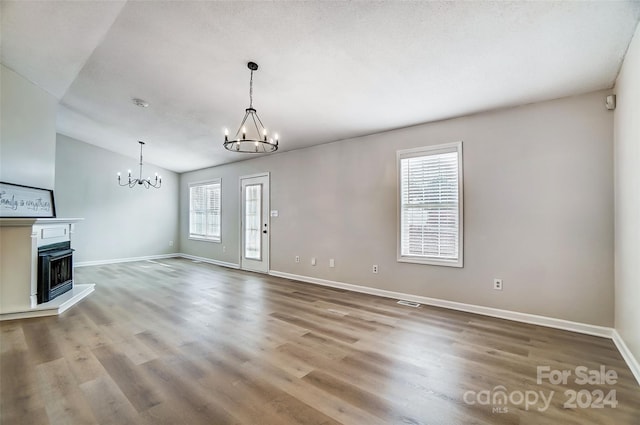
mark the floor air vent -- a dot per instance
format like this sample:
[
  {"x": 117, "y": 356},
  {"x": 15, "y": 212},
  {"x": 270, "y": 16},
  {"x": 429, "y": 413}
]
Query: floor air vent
[{"x": 409, "y": 303}]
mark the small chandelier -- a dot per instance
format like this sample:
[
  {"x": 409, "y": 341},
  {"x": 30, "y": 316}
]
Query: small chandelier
[
  {"x": 251, "y": 136},
  {"x": 140, "y": 181}
]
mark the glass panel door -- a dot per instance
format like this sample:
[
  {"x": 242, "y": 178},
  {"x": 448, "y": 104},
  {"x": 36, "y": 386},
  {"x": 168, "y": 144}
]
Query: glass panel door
[{"x": 253, "y": 222}]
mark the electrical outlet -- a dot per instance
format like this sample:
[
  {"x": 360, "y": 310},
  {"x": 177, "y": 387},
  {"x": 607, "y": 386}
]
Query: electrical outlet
[
  {"x": 297, "y": 258},
  {"x": 374, "y": 269},
  {"x": 224, "y": 248},
  {"x": 313, "y": 261},
  {"x": 170, "y": 243},
  {"x": 497, "y": 284},
  {"x": 332, "y": 262}
]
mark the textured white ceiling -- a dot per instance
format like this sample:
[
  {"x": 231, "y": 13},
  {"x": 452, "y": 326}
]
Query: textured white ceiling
[{"x": 328, "y": 70}]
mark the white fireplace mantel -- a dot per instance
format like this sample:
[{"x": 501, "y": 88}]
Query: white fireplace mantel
[
  {"x": 13, "y": 222},
  {"x": 19, "y": 242}
]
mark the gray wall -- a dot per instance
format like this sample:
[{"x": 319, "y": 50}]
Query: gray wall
[
  {"x": 538, "y": 201},
  {"x": 27, "y": 132},
  {"x": 627, "y": 247},
  {"x": 118, "y": 222}
]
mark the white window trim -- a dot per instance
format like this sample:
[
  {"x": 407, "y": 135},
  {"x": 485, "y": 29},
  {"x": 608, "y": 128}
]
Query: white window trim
[
  {"x": 203, "y": 238},
  {"x": 421, "y": 151}
]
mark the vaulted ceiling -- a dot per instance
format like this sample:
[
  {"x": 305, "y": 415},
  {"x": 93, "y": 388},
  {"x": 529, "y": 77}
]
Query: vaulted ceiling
[{"x": 328, "y": 70}]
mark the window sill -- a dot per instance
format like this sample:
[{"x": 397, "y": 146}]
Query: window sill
[
  {"x": 195, "y": 238},
  {"x": 431, "y": 261}
]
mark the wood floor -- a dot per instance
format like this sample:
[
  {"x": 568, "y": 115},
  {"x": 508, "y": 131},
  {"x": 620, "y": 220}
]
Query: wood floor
[{"x": 181, "y": 342}]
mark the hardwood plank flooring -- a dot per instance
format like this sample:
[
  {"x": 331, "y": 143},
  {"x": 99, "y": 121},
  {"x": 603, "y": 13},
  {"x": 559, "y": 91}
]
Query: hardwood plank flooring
[{"x": 182, "y": 342}]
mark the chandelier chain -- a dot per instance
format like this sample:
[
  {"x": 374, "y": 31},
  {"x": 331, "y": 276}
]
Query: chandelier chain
[{"x": 251, "y": 90}]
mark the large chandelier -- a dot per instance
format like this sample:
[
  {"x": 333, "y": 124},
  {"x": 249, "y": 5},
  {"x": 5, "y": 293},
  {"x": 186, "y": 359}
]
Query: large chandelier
[
  {"x": 147, "y": 183},
  {"x": 252, "y": 136}
]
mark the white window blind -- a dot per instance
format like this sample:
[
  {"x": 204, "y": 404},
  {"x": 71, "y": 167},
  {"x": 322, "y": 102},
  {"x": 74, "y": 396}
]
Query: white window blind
[
  {"x": 430, "y": 205},
  {"x": 204, "y": 210}
]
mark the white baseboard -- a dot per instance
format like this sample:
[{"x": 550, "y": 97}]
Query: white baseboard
[
  {"x": 533, "y": 319},
  {"x": 627, "y": 355},
  {"x": 209, "y": 260},
  {"x": 124, "y": 260},
  {"x": 157, "y": 257}
]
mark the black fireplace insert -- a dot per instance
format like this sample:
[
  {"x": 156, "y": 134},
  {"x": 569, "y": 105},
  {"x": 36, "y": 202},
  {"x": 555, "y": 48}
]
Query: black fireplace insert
[{"x": 55, "y": 270}]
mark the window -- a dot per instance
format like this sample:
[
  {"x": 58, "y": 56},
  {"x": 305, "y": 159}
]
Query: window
[
  {"x": 430, "y": 205},
  {"x": 204, "y": 210}
]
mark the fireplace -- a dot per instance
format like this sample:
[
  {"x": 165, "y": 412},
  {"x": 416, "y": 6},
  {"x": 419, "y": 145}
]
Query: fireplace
[
  {"x": 55, "y": 270},
  {"x": 36, "y": 266}
]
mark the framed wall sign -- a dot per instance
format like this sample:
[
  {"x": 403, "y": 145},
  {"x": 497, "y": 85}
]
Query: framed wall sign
[{"x": 17, "y": 201}]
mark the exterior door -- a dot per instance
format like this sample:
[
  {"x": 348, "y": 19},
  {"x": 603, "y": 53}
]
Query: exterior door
[{"x": 254, "y": 223}]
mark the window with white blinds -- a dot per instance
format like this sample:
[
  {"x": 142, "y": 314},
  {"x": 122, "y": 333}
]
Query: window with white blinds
[
  {"x": 430, "y": 205},
  {"x": 204, "y": 210}
]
